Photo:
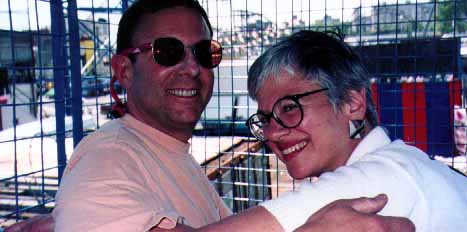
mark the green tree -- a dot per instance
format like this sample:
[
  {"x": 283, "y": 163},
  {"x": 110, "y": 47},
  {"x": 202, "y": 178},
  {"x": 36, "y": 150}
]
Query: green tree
[{"x": 452, "y": 15}]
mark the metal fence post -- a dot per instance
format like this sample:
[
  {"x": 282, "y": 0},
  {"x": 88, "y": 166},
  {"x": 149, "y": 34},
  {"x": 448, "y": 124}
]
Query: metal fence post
[
  {"x": 59, "y": 63},
  {"x": 77, "y": 104},
  {"x": 13, "y": 86}
]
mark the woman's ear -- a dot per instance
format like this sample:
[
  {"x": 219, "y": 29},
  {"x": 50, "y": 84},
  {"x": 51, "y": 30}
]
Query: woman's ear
[
  {"x": 122, "y": 70},
  {"x": 355, "y": 108}
]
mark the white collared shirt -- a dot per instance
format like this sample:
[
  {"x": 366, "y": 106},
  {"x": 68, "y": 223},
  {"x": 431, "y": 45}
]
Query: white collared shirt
[{"x": 427, "y": 192}]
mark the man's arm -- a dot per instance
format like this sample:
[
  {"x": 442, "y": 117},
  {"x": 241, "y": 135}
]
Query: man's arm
[
  {"x": 341, "y": 215},
  {"x": 258, "y": 217},
  {"x": 356, "y": 215},
  {"x": 253, "y": 219},
  {"x": 41, "y": 223}
]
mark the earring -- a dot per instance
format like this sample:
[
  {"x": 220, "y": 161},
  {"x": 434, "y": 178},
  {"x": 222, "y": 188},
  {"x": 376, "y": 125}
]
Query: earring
[{"x": 355, "y": 128}]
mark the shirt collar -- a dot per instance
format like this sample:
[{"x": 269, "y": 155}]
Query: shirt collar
[
  {"x": 150, "y": 133},
  {"x": 375, "y": 139}
]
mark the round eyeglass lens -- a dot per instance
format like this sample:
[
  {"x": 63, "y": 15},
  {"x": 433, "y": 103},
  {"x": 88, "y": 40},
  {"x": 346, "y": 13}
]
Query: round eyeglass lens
[
  {"x": 256, "y": 124},
  {"x": 288, "y": 112}
]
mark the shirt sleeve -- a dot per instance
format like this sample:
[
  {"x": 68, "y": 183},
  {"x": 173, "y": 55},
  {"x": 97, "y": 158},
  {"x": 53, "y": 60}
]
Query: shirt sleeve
[
  {"x": 224, "y": 211},
  {"x": 105, "y": 192},
  {"x": 362, "y": 179}
]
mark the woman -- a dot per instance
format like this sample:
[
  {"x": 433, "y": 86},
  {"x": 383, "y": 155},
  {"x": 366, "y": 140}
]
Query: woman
[{"x": 316, "y": 114}]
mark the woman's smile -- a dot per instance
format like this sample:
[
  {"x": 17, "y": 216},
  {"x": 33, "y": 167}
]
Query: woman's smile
[{"x": 292, "y": 151}]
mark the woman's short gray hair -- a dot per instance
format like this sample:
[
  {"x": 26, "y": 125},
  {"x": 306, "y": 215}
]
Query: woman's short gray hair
[{"x": 321, "y": 57}]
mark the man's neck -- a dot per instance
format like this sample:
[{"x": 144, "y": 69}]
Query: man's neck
[{"x": 178, "y": 133}]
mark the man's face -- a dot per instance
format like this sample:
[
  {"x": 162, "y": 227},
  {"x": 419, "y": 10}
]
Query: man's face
[{"x": 170, "y": 99}]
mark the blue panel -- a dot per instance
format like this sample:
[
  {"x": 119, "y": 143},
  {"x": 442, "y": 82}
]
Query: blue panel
[
  {"x": 391, "y": 109},
  {"x": 439, "y": 129}
]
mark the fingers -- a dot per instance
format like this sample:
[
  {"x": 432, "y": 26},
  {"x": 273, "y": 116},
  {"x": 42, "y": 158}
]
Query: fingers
[
  {"x": 356, "y": 215},
  {"x": 399, "y": 224},
  {"x": 369, "y": 205}
]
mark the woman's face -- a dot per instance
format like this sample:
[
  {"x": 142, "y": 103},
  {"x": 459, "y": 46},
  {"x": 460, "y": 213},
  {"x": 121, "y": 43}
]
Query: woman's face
[{"x": 320, "y": 143}]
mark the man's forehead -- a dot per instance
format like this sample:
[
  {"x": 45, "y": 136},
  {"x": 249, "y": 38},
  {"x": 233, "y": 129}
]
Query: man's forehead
[{"x": 179, "y": 22}]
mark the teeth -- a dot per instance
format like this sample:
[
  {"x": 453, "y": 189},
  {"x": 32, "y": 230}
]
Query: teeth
[
  {"x": 294, "y": 148},
  {"x": 183, "y": 92}
]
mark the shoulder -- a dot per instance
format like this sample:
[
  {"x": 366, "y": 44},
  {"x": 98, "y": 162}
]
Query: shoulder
[
  {"x": 403, "y": 158},
  {"x": 112, "y": 132},
  {"x": 110, "y": 143},
  {"x": 393, "y": 169},
  {"x": 397, "y": 155},
  {"x": 400, "y": 150},
  {"x": 109, "y": 157}
]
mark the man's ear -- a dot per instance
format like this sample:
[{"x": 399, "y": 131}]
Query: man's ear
[
  {"x": 122, "y": 70},
  {"x": 355, "y": 108}
]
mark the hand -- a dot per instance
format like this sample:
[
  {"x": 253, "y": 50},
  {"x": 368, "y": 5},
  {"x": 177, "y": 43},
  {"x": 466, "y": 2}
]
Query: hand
[
  {"x": 41, "y": 223},
  {"x": 460, "y": 123},
  {"x": 355, "y": 215}
]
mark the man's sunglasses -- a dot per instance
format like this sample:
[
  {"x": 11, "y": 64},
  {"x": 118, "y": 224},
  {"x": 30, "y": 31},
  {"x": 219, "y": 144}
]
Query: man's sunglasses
[{"x": 168, "y": 51}]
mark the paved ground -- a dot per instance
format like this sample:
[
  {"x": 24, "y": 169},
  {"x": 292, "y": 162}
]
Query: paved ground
[{"x": 23, "y": 113}]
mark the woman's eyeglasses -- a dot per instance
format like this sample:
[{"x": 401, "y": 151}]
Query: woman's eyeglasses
[
  {"x": 169, "y": 51},
  {"x": 287, "y": 111}
]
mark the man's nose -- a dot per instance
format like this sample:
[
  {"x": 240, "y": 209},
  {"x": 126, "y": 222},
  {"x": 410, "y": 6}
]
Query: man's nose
[{"x": 190, "y": 64}]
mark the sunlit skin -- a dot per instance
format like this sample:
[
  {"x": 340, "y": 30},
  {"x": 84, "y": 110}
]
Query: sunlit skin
[
  {"x": 322, "y": 136},
  {"x": 170, "y": 99}
]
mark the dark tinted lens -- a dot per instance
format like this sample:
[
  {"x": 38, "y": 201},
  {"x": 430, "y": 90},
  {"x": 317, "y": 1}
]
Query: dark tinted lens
[
  {"x": 168, "y": 51},
  {"x": 208, "y": 53}
]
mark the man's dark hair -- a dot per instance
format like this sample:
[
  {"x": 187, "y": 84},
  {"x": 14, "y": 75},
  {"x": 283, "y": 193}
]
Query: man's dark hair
[{"x": 131, "y": 18}]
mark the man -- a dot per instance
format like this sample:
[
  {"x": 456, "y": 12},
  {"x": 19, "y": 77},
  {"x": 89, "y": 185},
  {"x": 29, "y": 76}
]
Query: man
[{"x": 135, "y": 173}]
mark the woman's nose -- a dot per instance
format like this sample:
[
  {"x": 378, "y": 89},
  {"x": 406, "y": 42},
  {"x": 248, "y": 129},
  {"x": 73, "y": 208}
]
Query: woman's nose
[{"x": 274, "y": 131}]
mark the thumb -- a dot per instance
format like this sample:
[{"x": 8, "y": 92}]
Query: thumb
[{"x": 369, "y": 205}]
